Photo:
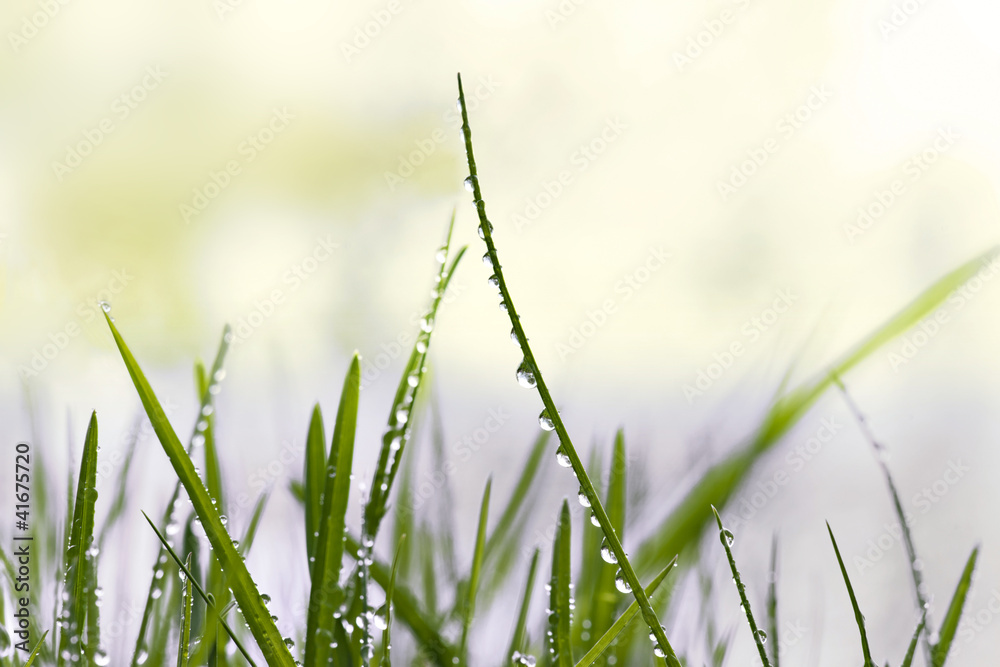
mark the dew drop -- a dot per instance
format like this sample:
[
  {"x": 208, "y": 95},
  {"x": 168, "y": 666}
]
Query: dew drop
[
  {"x": 470, "y": 183},
  {"x": 659, "y": 652},
  {"x": 487, "y": 261},
  {"x": 503, "y": 306},
  {"x": 607, "y": 555},
  {"x": 545, "y": 421},
  {"x": 562, "y": 458},
  {"x": 582, "y": 497},
  {"x": 526, "y": 377},
  {"x": 594, "y": 520},
  {"x": 494, "y": 281},
  {"x": 621, "y": 584},
  {"x": 489, "y": 228},
  {"x": 727, "y": 535},
  {"x": 441, "y": 255},
  {"x": 105, "y": 306},
  {"x": 761, "y": 637}
]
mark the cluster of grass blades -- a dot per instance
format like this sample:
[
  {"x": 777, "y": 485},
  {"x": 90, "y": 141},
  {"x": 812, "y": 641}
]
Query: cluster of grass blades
[{"x": 202, "y": 606}]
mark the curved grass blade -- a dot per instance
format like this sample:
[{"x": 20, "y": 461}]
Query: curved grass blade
[
  {"x": 251, "y": 532},
  {"x": 772, "y": 600},
  {"x": 206, "y": 597},
  {"x": 170, "y": 518},
  {"x": 477, "y": 564},
  {"x": 36, "y": 650},
  {"x": 602, "y": 644},
  {"x": 400, "y": 425},
  {"x": 908, "y": 659},
  {"x": 759, "y": 636},
  {"x": 939, "y": 653},
  {"x": 264, "y": 631},
  {"x": 315, "y": 470},
  {"x": 390, "y": 591},
  {"x": 551, "y": 414},
  {"x": 80, "y": 560},
  {"x": 184, "y": 640},
  {"x": 858, "y": 616},
  {"x": 606, "y": 595},
  {"x": 517, "y": 642},
  {"x": 881, "y": 452},
  {"x": 560, "y": 649},
  {"x": 684, "y": 525},
  {"x": 325, "y": 594}
]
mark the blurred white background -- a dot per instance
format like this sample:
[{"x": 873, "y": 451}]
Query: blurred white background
[{"x": 291, "y": 165}]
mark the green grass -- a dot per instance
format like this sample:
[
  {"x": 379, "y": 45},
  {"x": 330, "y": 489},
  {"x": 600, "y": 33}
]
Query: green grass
[{"x": 203, "y": 607}]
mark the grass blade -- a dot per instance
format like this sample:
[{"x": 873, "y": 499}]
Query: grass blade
[
  {"x": 390, "y": 591},
  {"x": 184, "y": 641},
  {"x": 400, "y": 425},
  {"x": 772, "y": 600},
  {"x": 602, "y": 644},
  {"x": 606, "y": 596},
  {"x": 517, "y": 642},
  {"x": 251, "y": 532},
  {"x": 939, "y": 653},
  {"x": 477, "y": 564},
  {"x": 858, "y": 616},
  {"x": 36, "y": 650},
  {"x": 684, "y": 525},
  {"x": 759, "y": 636},
  {"x": 325, "y": 593},
  {"x": 264, "y": 631},
  {"x": 560, "y": 649},
  {"x": 80, "y": 560},
  {"x": 550, "y": 416},
  {"x": 207, "y": 598},
  {"x": 315, "y": 470},
  {"x": 908, "y": 659}
]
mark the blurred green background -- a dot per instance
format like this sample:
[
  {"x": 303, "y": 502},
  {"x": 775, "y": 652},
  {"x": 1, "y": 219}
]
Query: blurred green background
[{"x": 664, "y": 181}]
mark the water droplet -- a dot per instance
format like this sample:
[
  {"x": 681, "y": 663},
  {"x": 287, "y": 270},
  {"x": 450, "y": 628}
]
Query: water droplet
[
  {"x": 487, "y": 260},
  {"x": 607, "y": 555},
  {"x": 545, "y": 421},
  {"x": 441, "y": 255},
  {"x": 426, "y": 325},
  {"x": 562, "y": 458},
  {"x": 761, "y": 637},
  {"x": 470, "y": 183},
  {"x": 513, "y": 336},
  {"x": 489, "y": 228},
  {"x": 594, "y": 520},
  {"x": 526, "y": 376},
  {"x": 727, "y": 536},
  {"x": 621, "y": 584},
  {"x": 105, "y": 306},
  {"x": 503, "y": 306},
  {"x": 494, "y": 281},
  {"x": 582, "y": 497},
  {"x": 659, "y": 652}
]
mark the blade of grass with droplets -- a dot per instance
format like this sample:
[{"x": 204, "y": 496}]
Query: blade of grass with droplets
[
  {"x": 606, "y": 596},
  {"x": 187, "y": 607},
  {"x": 213, "y": 470},
  {"x": 251, "y": 532},
  {"x": 912, "y": 649},
  {"x": 157, "y": 580},
  {"x": 325, "y": 593},
  {"x": 266, "y": 634},
  {"x": 684, "y": 525},
  {"x": 939, "y": 652},
  {"x": 389, "y": 592},
  {"x": 517, "y": 640},
  {"x": 602, "y": 644},
  {"x": 313, "y": 476},
  {"x": 858, "y": 616},
  {"x": 552, "y": 419},
  {"x": 477, "y": 563},
  {"x": 560, "y": 648},
  {"x": 897, "y": 505},
  {"x": 400, "y": 426},
  {"x": 772, "y": 601},
  {"x": 79, "y": 560},
  {"x": 408, "y": 609},
  {"x": 207, "y": 598},
  {"x": 759, "y": 636},
  {"x": 35, "y": 651}
]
